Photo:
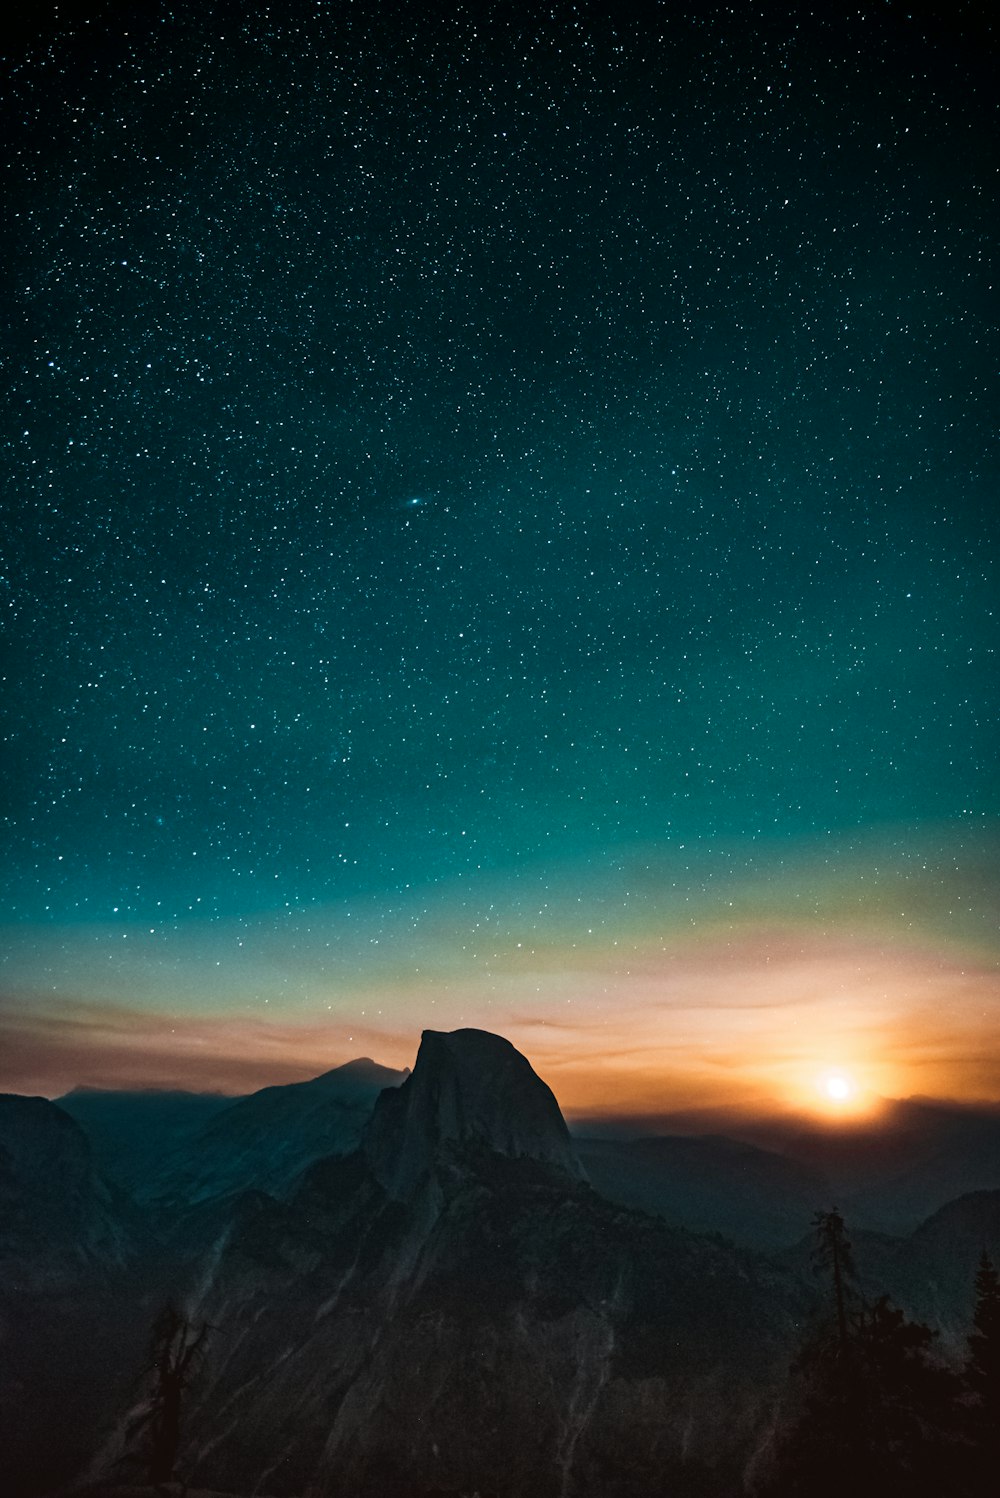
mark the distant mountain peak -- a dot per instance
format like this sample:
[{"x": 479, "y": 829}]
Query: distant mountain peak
[
  {"x": 362, "y": 1071},
  {"x": 467, "y": 1088},
  {"x": 265, "y": 1141},
  {"x": 363, "y": 1064}
]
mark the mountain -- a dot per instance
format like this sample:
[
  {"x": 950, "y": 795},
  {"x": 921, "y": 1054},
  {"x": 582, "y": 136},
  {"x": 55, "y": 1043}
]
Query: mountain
[
  {"x": 431, "y": 1288},
  {"x": 70, "y": 1247},
  {"x": 469, "y": 1090},
  {"x": 452, "y": 1308},
  {"x": 709, "y": 1184},
  {"x": 932, "y": 1273},
  {"x": 264, "y": 1142},
  {"x": 132, "y": 1132},
  {"x": 58, "y": 1218},
  {"x": 934, "y": 1153},
  {"x": 891, "y": 1174}
]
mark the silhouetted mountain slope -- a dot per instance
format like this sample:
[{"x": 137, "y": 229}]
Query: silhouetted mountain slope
[
  {"x": 70, "y": 1247},
  {"x": 58, "y": 1218},
  {"x": 264, "y": 1141},
  {"x": 131, "y": 1133},
  {"x": 940, "y": 1153},
  {"x": 891, "y": 1174},
  {"x": 930, "y": 1272},
  {"x": 417, "y": 1290},
  {"x": 710, "y": 1185},
  {"x": 453, "y": 1308}
]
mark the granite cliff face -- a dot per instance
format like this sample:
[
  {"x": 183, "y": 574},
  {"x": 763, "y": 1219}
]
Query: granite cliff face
[
  {"x": 470, "y": 1092},
  {"x": 58, "y": 1218},
  {"x": 70, "y": 1249}
]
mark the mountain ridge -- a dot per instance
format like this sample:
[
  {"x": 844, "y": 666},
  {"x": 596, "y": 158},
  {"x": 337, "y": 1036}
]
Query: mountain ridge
[
  {"x": 266, "y": 1140},
  {"x": 393, "y": 1308}
]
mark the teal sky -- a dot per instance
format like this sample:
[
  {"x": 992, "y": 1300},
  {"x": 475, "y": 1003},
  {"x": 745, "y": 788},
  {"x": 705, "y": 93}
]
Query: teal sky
[{"x": 523, "y": 476}]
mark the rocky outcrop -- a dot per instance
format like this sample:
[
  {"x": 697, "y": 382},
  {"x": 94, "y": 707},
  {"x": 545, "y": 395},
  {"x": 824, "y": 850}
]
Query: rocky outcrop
[
  {"x": 454, "y": 1309},
  {"x": 500, "y": 1333},
  {"x": 470, "y": 1092}
]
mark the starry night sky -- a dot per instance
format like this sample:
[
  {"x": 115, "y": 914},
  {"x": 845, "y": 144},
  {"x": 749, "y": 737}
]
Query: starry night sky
[{"x": 504, "y": 532}]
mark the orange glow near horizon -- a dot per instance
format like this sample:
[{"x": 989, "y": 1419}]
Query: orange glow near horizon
[
  {"x": 747, "y": 1025},
  {"x": 837, "y": 1095},
  {"x": 626, "y": 996}
]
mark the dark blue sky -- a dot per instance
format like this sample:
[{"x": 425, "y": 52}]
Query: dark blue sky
[{"x": 444, "y": 444}]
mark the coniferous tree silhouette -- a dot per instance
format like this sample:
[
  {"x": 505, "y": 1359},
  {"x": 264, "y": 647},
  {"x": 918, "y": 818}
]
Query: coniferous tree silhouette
[
  {"x": 984, "y": 1343},
  {"x": 982, "y": 1372},
  {"x": 876, "y": 1412},
  {"x": 176, "y": 1351},
  {"x": 832, "y": 1250},
  {"x": 909, "y": 1405},
  {"x": 822, "y": 1453}
]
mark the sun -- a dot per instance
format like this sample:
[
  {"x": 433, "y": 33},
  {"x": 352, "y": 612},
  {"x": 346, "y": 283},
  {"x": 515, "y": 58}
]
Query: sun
[
  {"x": 839, "y": 1091},
  {"x": 838, "y": 1088}
]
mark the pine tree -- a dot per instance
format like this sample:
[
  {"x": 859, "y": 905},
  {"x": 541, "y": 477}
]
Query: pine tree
[
  {"x": 822, "y": 1453},
  {"x": 910, "y": 1403},
  {"x": 876, "y": 1412},
  {"x": 833, "y": 1251},
  {"x": 176, "y": 1350},
  {"x": 982, "y": 1372},
  {"x": 983, "y": 1367}
]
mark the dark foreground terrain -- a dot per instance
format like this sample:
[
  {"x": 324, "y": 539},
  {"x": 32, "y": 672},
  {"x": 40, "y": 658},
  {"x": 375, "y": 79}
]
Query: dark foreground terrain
[{"x": 379, "y": 1283}]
